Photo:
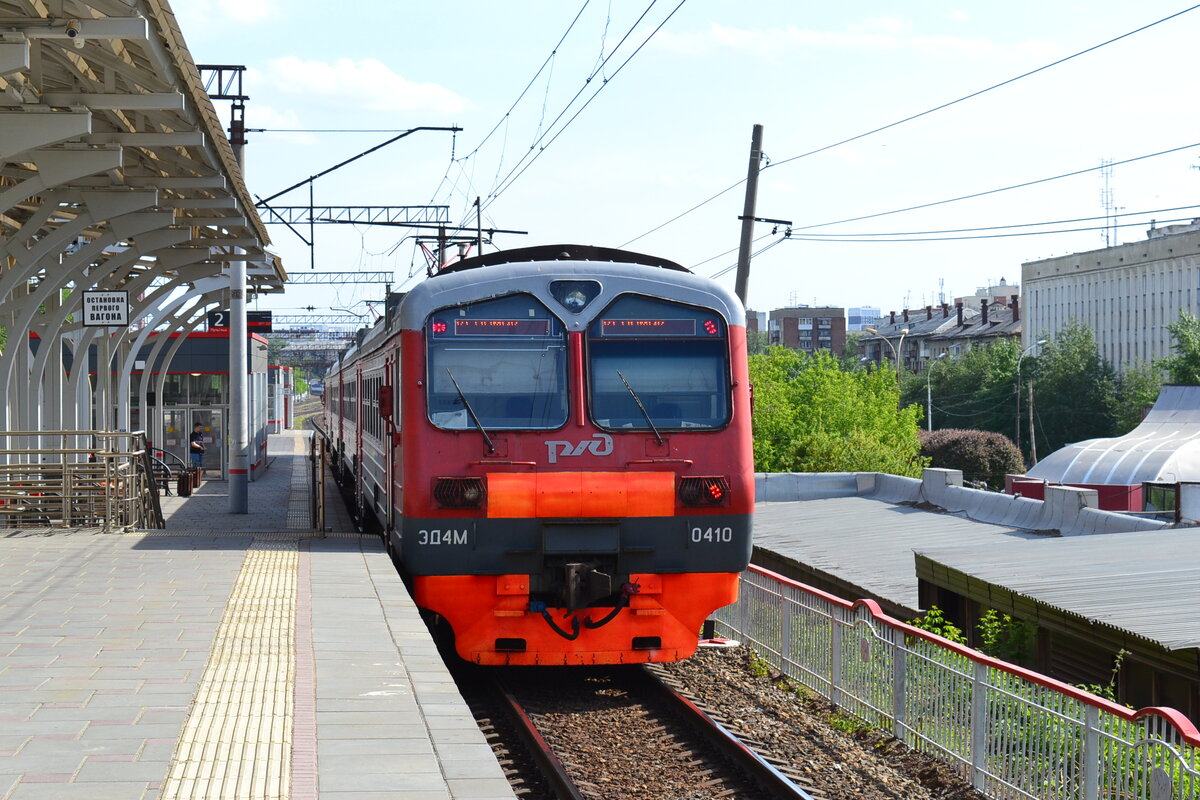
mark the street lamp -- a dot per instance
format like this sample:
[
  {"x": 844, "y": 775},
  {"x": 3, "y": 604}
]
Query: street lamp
[
  {"x": 929, "y": 391},
  {"x": 888, "y": 342},
  {"x": 1024, "y": 353}
]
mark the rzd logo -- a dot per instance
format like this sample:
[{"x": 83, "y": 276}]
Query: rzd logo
[{"x": 599, "y": 445}]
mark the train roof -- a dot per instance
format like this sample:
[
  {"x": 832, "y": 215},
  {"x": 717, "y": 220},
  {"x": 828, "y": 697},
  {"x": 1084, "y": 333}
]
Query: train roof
[
  {"x": 531, "y": 271},
  {"x": 560, "y": 252}
]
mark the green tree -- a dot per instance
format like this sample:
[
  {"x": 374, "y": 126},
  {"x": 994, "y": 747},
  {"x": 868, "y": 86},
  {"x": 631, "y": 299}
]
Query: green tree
[
  {"x": 850, "y": 356},
  {"x": 975, "y": 390},
  {"x": 1136, "y": 390},
  {"x": 756, "y": 342},
  {"x": 811, "y": 415},
  {"x": 1074, "y": 390},
  {"x": 1184, "y": 366},
  {"x": 275, "y": 346}
]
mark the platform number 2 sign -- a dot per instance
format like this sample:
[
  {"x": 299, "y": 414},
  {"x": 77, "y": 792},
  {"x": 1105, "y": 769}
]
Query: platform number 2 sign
[{"x": 218, "y": 319}]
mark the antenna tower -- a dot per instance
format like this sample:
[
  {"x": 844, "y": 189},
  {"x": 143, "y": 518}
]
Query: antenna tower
[{"x": 1106, "y": 200}]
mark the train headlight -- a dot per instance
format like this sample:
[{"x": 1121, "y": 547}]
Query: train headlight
[
  {"x": 574, "y": 295},
  {"x": 458, "y": 492},
  {"x": 706, "y": 491}
]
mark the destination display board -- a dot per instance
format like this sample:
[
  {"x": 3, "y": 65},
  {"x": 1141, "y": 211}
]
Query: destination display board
[{"x": 491, "y": 327}]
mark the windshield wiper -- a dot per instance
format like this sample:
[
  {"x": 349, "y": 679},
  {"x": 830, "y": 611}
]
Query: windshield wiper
[
  {"x": 641, "y": 407},
  {"x": 474, "y": 417}
]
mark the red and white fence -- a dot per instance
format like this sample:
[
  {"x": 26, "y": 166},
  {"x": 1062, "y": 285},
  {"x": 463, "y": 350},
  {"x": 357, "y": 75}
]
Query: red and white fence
[{"x": 1011, "y": 732}]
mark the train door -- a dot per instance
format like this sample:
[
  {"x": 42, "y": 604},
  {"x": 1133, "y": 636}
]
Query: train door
[{"x": 391, "y": 425}]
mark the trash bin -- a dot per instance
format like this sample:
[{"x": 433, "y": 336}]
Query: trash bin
[{"x": 183, "y": 483}]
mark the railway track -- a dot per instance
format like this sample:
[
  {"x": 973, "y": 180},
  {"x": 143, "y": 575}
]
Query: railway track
[{"x": 587, "y": 734}]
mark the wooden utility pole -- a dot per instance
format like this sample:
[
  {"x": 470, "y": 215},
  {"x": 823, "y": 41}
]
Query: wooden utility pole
[{"x": 742, "y": 285}]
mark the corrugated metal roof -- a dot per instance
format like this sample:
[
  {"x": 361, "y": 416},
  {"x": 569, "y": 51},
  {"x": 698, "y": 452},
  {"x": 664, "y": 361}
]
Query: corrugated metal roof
[
  {"x": 1145, "y": 583},
  {"x": 1165, "y": 447},
  {"x": 870, "y": 542}
]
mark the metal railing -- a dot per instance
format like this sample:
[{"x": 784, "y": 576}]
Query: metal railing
[
  {"x": 77, "y": 479},
  {"x": 1010, "y": 732}
]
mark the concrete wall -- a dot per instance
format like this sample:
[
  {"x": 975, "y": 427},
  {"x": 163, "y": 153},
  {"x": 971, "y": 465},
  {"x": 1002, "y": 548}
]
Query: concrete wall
[{"x": 1065, "y": 509}]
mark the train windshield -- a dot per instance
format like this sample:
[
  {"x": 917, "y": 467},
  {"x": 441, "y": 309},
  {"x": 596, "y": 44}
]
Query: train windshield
[
  {"x": 502, "y": 362},
  {"x": 654, "y": 364}
]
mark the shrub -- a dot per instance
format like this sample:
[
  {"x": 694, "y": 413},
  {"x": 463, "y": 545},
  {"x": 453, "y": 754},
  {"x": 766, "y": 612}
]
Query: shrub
[{"x": 983, "y": 456}]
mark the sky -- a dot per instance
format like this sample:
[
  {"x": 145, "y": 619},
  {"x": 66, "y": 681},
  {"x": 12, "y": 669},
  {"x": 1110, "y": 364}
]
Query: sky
[{"x": 600, "y": 122}]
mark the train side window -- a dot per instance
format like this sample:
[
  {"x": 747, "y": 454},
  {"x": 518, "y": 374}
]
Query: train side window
[{"x": 670, "y": 357}]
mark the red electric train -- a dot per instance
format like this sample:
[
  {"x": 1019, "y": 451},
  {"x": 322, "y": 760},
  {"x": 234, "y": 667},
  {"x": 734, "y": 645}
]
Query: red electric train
[{"x": 555, "y": 442}]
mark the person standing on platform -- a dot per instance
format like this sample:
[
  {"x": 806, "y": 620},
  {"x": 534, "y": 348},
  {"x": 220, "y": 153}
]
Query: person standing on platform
[{"x": 196, "y": 449}]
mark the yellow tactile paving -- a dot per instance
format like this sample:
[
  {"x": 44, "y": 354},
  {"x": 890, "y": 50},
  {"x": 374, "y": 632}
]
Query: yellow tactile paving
[{"x": 237, "y": 741}]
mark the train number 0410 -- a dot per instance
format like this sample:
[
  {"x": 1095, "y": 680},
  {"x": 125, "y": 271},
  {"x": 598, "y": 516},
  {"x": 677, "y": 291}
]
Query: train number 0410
[{"x": 712, "y": 534}]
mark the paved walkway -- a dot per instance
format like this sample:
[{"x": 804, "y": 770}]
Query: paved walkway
[{"x": 229, "y": 656}]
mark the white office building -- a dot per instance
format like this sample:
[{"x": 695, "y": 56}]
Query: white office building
[{"x": 1127, "y": 294}]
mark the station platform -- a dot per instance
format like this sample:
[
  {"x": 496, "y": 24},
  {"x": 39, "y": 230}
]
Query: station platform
[{"x": 227, "y": 656}]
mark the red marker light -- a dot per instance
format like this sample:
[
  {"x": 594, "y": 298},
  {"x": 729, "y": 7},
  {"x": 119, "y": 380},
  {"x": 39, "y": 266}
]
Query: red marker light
[
  {"x": 710, "y": 327},
  {"x": 439, "y": 326},
  {"x": 716, "y": 491}
]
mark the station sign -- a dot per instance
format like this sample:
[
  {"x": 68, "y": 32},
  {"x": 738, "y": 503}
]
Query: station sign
[
  {"x": 256, "y": 321},
  {"x": 103, "y": 309}
]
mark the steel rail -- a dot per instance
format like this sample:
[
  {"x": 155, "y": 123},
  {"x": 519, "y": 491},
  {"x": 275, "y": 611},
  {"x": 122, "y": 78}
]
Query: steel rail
[
  {"x": 552, "y": 769},
  {"x": 759, "y": 769}
]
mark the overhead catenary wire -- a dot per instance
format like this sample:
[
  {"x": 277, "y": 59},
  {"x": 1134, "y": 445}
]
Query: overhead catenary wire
[
  {"x": 507, "y": 114},
  {"x": 912, "y": 117},
  {"x": 537, "y": 149}
]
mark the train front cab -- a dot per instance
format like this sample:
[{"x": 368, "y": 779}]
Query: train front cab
[{"x": 588, "y": 492}]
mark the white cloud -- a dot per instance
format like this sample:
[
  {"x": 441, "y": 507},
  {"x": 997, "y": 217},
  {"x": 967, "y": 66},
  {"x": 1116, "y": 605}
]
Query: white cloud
[
  {"x": 958, "y": 15},
  {"x": 367, "y": 84}
]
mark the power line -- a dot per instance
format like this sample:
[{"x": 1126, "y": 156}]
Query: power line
[
  {"x": 818, "y": 237},
  {"x": 1017, "y": 225},
  {"x": 511, "y": 178},
  {"x": 996, "y": 191},
  {"x": 913, "y": 117},
  {"x": 756, "y": 253},
  {"x": 727, "y": 252},
  {"x": 988, "y": 89}
]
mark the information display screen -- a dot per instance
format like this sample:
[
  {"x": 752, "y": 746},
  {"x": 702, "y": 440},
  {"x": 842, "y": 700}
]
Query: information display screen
[
  {"x": 659, "y": 327},
  {"x": 491, "y": 327},
  {"x": 648, "y": 327}
]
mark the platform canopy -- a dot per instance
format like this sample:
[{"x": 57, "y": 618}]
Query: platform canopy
[
  {"x": 115, "y": 175},
  {"x": 1164, "y": 448}
]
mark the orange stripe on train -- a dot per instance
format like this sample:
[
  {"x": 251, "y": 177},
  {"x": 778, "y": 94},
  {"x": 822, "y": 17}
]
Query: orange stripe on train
[{"x": 580, "y": 494}]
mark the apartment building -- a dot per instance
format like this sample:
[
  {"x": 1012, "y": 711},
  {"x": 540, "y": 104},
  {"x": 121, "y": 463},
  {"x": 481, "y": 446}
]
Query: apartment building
[
  {"x": 808, "y": 328},
  {"x": 1126, "y": 294}
]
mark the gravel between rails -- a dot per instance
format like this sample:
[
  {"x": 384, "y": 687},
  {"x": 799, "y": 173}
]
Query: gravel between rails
[
  {"x": 617, "y": 738},
  {"x": 838, "y": 759}
]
